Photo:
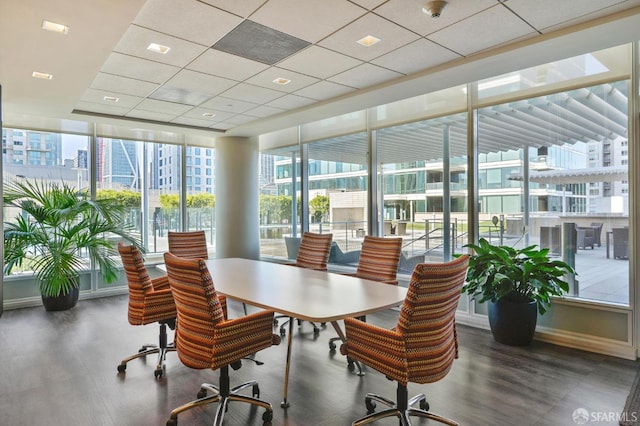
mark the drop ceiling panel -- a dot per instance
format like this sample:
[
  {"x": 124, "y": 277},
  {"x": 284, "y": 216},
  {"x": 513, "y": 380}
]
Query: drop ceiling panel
[
  {"x": 547, "y": 13},
  {"x": 250, "y": 93},
  {"x": 196, "y": 113},
  {"x": 319, "y": 62},
  {"x": 236, "y": 106},
  {"x": 291, "y": 101},
  {"x": 263, "y": 111},
  {"x": 365, "y": 75},
  {"x": 309, "y": 20},
  {"x": 324, "y": 90},
  {"x": 150, "y": 115},
  {"x": 101, "y": 108},
  {"x": 137, "y": 68},
  {"x": 391, "y": 37},
  {"x": 187, "y": 19},
  {"x": 97, "y": 96},
  {"x": 163, "y": 107},
  {"x": 188, "y": 121},
  {"x": 226, "y": 65},
  {"x": 119, "y": 84},
  {"x": 490, "y": 28},
  {"x": 266, "y": 78},
  {"x": 416, "y": 56},
  {"x": 240, "y": 119},
  {"x": 242, "y": 8},
  {"x": 180, "y": 96},
  {"x": 369, "y": 4},
  {"x": 417, "y": 21},
  {"x": 199, "y": 82},
  {"x": 136, "y": 40}
]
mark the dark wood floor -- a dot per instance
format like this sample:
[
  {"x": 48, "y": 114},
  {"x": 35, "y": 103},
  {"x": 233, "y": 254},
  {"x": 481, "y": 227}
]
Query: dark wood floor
[{"x": 60, "y": 369}]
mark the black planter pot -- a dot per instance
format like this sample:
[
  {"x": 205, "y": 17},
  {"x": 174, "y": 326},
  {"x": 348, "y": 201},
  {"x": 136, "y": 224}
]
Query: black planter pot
[
  {"x": 513, "y": 323},
  {"x": 63, "y": 302}
]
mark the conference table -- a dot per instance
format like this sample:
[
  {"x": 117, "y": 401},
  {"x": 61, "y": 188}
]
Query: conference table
[{"x": 305, "y": 294}]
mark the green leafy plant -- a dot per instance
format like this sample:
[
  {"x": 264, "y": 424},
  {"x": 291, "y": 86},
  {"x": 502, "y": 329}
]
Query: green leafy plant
[
  {"x": 517, "y": 275},
  {"x": 57, "y": 224}
]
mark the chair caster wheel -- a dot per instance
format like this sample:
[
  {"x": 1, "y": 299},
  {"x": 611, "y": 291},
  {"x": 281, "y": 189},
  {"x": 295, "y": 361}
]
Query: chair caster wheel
[
  {"x": 122, "y": 368},
  {"x": 158, "y": 373},
  {"x": 371, "y": 405},
  {"x": 201, "y": 393},
  {"x": 255, "y": 391},
  {"x": 267, "y": 417},
  {"x": 350, "y": 364},
  {"x": 424, "y": 405},
  {"x": 332, "y": 346},
  {"x": 172, "y": 422},
  {"x": 316, "y": 331},
  {"x": 275, "y": 323},
  {"x": 283, "y": 332}
]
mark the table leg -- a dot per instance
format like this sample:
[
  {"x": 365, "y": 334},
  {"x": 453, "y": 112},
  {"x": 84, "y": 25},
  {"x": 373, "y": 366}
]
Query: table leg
[{"x": 285, "y": 403}]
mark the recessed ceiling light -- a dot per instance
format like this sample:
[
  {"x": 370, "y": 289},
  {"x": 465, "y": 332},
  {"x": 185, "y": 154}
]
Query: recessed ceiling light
[
  {"x": 56, "y": 28},
  {"x": 282, "y": 81},
  {"x": 111, "y": 99},
  {"x": 155, "y": 47},
  {"x": 208, "y": 114},
  {"x": 41, "y": 75},
  {"x": 368, "y": 40}
]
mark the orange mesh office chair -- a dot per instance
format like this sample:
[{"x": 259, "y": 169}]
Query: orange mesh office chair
[
  {"x": 206, "y": 340},
  {"x": 379, "y": 259},
  {"x": 150, "y": 300},
  {"x": 192, "y": 245},
  {"x": 313, "y": 254},
  {"x": 421, "y": 348}
]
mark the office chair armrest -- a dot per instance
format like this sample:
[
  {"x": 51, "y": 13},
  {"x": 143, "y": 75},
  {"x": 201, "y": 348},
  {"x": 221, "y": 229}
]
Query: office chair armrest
[
  {"x": 238, "y": 338},
  {"x": 380, "y": 348},
  {"x": 159, "y": 305},
  {"x": 160, "y": 283}
]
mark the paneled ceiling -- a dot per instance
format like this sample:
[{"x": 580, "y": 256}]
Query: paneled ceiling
[{"x": 226, "y": 57}]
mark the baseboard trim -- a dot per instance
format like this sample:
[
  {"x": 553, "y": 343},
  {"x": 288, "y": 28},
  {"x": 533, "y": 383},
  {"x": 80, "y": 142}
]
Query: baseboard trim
[{"x": 568, "y": 339}]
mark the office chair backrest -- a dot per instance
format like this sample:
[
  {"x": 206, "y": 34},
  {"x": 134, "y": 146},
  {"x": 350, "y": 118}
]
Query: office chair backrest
[
  {"x": 314, "y": 251},
  {"x": 379, "y": 259},
  {"x": 191, "y": 245},
  {"x": 427, "y": 318},
  {"x": 198, "y": 307},
  {"x": 138, "y": 281}
]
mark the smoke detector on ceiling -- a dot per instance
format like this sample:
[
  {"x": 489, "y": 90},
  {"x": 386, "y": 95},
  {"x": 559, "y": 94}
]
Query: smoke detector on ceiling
[{"x": 434, "y": 8}]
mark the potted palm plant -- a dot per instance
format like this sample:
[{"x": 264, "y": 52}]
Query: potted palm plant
[
  {"x": 56, "y": 232},
  {"x": 517, "y": 284}
]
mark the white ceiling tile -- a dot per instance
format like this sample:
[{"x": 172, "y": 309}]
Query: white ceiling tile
[
  {"x": 291, "y": 102},
  {"x": 124, "y": 101},
  {"x": 243, "y": 8},
  {"x": 455, "y": 11},
  {"x": 225, "y": 65},
  {"x": 136, "y": 40},
  {"x": 391, "y": 37},
  {"x": 263, "y": 111},
  {"x": 219, "y": 115},
  {"x": 324, "y": 90},
  {"x": 164, "y": 107},
  {"x": 188, "y": 121},
  {"x": 266, "y": 77},
  {"x": 542, "y": 14},
  {"x": 319, "y": 62},
  {"x": 489, "y": 28},
  {"x": 190, "y": 20},
  {"x": 369, "y": 4},
  {"x": 223, "y": 126},
  {"x": 101, "y": 109},
  {"x": 365, "y": 75},
  {"x": 309, "y": 20},
  {"x": 236, "y": 106},
  {"x": 416, "y": 56},
  {"x": 240, "y": 119},
  {"x": 150, "y": 115},
  {"x": 119, "y": 84},
  {"x": 141, "y": 69},
  {"x": 250, "y": 93},
  {"x": 200, "y": 82}
]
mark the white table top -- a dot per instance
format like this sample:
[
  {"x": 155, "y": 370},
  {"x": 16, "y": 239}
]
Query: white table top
[{"x": 301, "y": 293}]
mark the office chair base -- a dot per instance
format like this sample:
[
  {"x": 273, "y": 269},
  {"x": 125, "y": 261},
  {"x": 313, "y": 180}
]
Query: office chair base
[
  {"x": 149, "y": 350},
  {"x": 402, "y": 409},
  {"x": 283, "y": 329},
  {"x": 209, "y": 393}
]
